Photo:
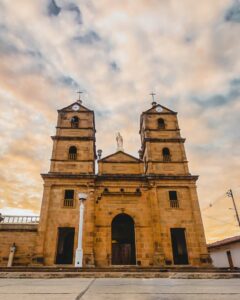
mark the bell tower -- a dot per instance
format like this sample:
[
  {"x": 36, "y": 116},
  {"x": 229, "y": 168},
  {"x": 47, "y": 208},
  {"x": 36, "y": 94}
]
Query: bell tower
[
  {"x": 162, "y": 145},
  {"x": 74, "y": 142},
  {"x": 72, "y": 171}
]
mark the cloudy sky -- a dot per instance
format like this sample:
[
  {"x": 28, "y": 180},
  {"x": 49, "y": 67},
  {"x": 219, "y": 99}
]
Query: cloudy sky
[{"x": 186, "y": 51}]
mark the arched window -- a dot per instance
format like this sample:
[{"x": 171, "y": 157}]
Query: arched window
[
  {"x": 74, "y": 122},
  {"x": 161, "y": 124},
  {"x": 166, "y": 154},
  {"x": 72, "y": 153}
]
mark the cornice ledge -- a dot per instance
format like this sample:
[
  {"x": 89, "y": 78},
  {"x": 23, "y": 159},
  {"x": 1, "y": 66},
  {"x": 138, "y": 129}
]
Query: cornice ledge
[
  {"x": 167, "y": 140},
  {"x": 68, "y": 175},
  {"x": 71, "y": 138},
  {"x": 121, "y": 177},
  {"x": 172, "y": 177},
  {"x": 142, "y": 177}
]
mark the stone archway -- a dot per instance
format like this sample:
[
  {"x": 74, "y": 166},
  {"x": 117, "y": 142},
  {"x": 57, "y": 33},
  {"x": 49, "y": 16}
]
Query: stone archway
[{"x": 123, "y": 240}]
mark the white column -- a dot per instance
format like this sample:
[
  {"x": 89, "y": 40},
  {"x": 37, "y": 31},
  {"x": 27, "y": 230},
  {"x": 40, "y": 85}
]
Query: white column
[{"x": 79, "y": 251}]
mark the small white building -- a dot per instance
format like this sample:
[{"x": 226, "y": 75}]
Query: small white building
[{"x": 226, "y": 253}]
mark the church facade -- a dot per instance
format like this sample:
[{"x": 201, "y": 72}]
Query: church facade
[{"x": 141, "y": 211}]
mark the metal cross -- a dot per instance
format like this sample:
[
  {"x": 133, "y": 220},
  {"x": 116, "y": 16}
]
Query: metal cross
[
  {"x": 153, "y": 100},
  {"x": 79, "y": 97}
]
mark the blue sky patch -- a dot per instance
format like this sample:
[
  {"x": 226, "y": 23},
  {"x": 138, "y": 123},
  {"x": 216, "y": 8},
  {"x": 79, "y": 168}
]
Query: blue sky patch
[
  {"x": 233, "y": 14},
  {"x": 90, "y": 38},
  {"x": 53, "y": 8}
]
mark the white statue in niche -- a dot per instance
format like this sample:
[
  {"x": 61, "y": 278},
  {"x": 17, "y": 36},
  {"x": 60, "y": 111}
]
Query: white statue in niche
[{"x": 119, "y": 140}]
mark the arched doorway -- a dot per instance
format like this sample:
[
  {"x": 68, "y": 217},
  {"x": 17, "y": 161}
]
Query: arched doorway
[{"x": 123, "y": 240}]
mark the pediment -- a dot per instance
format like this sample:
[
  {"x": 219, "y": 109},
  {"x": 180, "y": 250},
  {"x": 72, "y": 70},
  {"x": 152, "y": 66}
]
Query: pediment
[
  {"x": 120, "y": 156},
  {"x": 160, "y": 109},
  {"x": 69, "y": 108}
]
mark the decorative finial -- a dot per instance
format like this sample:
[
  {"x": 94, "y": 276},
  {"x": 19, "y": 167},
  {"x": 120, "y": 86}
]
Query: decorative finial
[
  {"x": 153, "y": 99},
  {"x": 79, "y": 97},
  {"x": 119, "y": 140}
]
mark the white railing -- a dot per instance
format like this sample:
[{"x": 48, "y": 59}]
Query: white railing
[{"x": 19, "y": 219}]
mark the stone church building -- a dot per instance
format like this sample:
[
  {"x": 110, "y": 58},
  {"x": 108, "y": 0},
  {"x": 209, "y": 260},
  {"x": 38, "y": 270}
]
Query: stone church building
[{"x": 141, "y": 211}]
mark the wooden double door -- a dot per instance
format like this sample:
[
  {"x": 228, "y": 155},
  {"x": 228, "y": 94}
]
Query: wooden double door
[
  {"x": 65, "y": 245},
  {"x": 123, "y": 240},
  {"x": 179, "y": 246}
]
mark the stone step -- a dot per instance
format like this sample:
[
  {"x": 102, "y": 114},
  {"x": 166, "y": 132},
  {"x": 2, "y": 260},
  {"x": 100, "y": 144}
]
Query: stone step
[
  {"x": 118, "y": 269},
  {"x": 170, "y": 275},
  {"x": 71, "y": 269}
]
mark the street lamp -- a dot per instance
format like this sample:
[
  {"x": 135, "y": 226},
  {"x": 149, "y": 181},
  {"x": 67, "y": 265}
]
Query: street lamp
[
  {"x": 79, "y": 252},
  {"x": 99, "y": 153}
]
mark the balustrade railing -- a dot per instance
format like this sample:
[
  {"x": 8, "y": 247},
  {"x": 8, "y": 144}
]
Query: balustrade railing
[
  {"x": 5, "y": 219},
  {"x": 72, "y": 156},
  {"x": 68, "y": 202},
  {"x": 174, "y": 203},
  {"x": 166, "y": 158}
]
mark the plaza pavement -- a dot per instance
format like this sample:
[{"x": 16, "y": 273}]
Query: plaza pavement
[{"x": 119, "y": 289}]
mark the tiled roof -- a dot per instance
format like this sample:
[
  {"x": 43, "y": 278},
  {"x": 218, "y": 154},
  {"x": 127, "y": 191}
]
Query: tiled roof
[{"x": 224, "y": 242}]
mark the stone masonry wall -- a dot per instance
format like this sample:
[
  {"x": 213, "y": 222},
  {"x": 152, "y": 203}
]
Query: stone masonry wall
[{"x": 24, "y": 236}]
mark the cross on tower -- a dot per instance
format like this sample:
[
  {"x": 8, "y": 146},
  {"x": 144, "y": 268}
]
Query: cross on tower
[
  {"x": 79, "y": 96},
  {"x": 153, "y": 99}
]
